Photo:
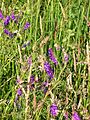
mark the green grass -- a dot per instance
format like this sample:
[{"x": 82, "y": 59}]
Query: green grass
[{"x": 65, "y": 24}]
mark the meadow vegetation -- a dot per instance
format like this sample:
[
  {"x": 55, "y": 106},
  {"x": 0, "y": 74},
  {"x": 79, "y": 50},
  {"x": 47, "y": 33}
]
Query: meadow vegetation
[{"x": 44, "y": 60}]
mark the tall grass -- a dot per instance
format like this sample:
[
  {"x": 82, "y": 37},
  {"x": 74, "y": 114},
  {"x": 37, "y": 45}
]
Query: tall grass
[{"x": 63, "y": 23}]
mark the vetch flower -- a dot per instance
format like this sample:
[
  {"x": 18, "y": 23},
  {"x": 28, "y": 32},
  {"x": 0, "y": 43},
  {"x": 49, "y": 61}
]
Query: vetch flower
[
  {"x": 66, "y": 115},
  {"x": 48, "y": 69},
  {"x": 66, "y": 57},
  {"x": 13, "y": 16},
  {"x": 1, "y": 16},
  {"x": 75, "y": 116},
  {"x": 29, "y": 61},
  {"x": 32, "y": 79},
  {"x": 6, "y": 31},
  {"x": 19, "y": 92},
  {"x": 45, "y": 84},
  {"x": 52, "y": 57},
  {"x": 27, "y": 25},
  {"x": 7, "y": 20},
  {"x": 54, "y": 110}
]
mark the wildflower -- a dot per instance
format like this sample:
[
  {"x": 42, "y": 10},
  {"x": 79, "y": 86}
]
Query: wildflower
[
  {"x": 11, "y": 35},
  {"x": 66, "y": 57},
  {"x": 27, "y": 25},
  {"x": 48, "y": 69},
  {"x": 75, "y": 116},
  {"x": 1, "y": 16},
  {"x": 6, "y": 31},
  {"x": 45, "y": 83},
  {"x": 29, "y": 61},
  {"x": 13, "y": 16},
  {"x": 54, "y": 110},
  {"x": 51, "y": 55},
  {"x": 66, "y": 115},
  {"x": 7, "y": 20},
  {"x": 19, "y": 81},
  {"x": 19, "y": 92},
  {"x": 32, "y": 79}
]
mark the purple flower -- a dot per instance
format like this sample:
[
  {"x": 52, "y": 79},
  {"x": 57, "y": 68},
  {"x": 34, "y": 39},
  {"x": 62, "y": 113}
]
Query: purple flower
[
  {"x": 66, "y": 57},
  {"x": 54, "y": 109},
  {"x": 6, "y": 31},
  {"x": 45, "y": 83},
  {"x": 11, "y": 35},
  {"x": 66, "y": 115},
  {"x": 1, "y": 16},
  {"x": 32, "y": 79},
  {"x": 27, "y": 25},
  {"x": 51, "y": 55},
  {"x": 19, "y": 92},
  {"x": 13, "y": 16},
  {"x": 48, "y": 69},
  {"x": 29, "y": 61},
  {"x": 7, "y": 20},
  {"x": 75, "y": 116}
]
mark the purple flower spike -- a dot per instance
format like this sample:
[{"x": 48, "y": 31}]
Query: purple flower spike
[
  {"x": 19, "y": 92},
  {"x": 13, "y": 16},
  {"x": 1, "y": 16},
  {"x": 75, "y": 116},
  {"x": 51, "y": 55},
  {"x": 27, "y": 25},
  {"x": 7, "y": 20},
  {"x": 48, "y": 69},
  {"x": 54, "y": 110},
  {"x": 6, "y": 31}
]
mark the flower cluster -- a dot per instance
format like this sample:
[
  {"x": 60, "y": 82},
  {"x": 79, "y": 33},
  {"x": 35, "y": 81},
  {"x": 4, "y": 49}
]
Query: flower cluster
[
  {"x": 6, "y": 22},
  {"x": 75, "y": 116},
  {"x": 52, "y": 57},
  {"x": 49, "y": 70},
  {"x": 54, "y": 110}
]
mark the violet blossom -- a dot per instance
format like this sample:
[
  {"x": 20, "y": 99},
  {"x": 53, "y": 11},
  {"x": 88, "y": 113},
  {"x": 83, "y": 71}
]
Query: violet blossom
[
  {"x": 19, "y": 92},
  {"x": 7, "y": 20},
  {"x": 52, "y": 57},
  {"x": 66, "y": 115},
  {"x": 27, "y": 25},
  {"x": 54, "y": 110},
  {"x": 48, "y": 69},
  {"x": 75, "y": 116},
  {"x": 8, "y": 33},
  {"x": 13, "y": 16}
]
